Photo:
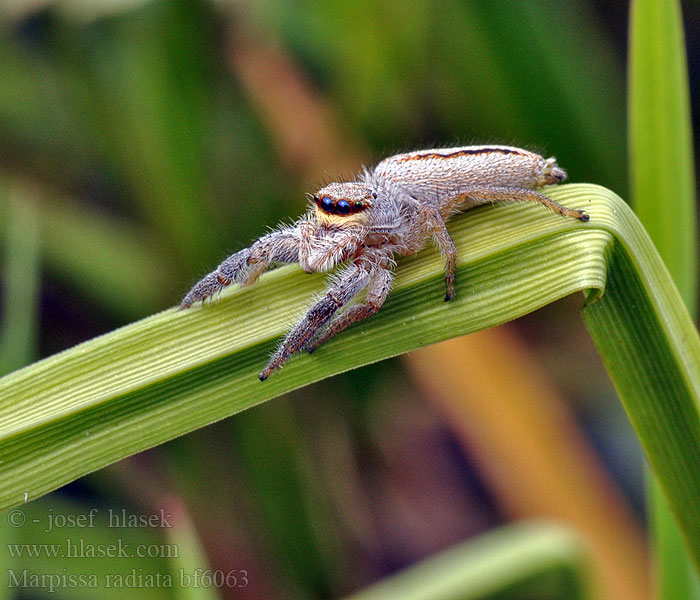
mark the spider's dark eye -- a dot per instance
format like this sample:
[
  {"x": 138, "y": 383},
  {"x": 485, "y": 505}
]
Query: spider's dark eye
[
  {"x": 327, "y": 204},
  {"x": 374, "y": 195},
  {"x": 343, "y": 207},
  {"x": 358, "y": 205},
  {"x": 315, "y": 198}
]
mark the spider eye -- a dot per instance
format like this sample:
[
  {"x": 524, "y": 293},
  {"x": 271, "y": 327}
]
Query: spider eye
[
  {"x": 343, "y": 207},
  {"x": 315, "y": 198},
  {"x": 358, "y": 205},
  {"x": 327, "y": 204},
  {"x": 374, "y": 195}
]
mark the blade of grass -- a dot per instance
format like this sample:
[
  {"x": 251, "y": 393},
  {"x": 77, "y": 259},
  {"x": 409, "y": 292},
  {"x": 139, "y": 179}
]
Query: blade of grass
[
  {"x": 663, "y": 194},
  {"x": 20, "y": 305},
  {"x": 660, "y": 138},
  {"x": 513, "y": 558},
  {"x": 176, "y": 371},
  {"x": 20, "y": 280}
]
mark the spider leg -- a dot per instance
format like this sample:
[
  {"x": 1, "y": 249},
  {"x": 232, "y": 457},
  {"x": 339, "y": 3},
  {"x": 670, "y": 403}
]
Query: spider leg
[
  {"x": 324, "y": 253},
  {"x": 379, "y": 287},
  {"x": 245, "y": 266},
  {"x": 484, "y": 194},
  {"x": 353, "y": 280},
  {"x": 436, "y": 226}
]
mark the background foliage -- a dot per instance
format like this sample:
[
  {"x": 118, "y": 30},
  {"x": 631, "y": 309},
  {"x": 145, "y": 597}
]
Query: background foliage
[{"x": 140, "y": 142}]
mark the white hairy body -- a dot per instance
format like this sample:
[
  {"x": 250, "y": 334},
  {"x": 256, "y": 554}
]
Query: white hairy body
[{"x": 393, "y": 209}]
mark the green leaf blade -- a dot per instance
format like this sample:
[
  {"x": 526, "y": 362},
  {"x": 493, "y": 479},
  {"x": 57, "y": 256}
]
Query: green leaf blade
[
  {"x": 660, "y": 137},
  {"x": 179, "y": 370},
  {"x": 516, "y": 560},
  {"x": 663, "y": 194}
]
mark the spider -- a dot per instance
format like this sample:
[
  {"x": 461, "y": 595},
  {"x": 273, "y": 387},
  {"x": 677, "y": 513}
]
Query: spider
[{"x": 390, "y": 210}]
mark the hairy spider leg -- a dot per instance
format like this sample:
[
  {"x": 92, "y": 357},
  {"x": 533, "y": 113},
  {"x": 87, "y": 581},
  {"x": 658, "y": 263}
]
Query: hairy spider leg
[
  {"x": 324, "y": 253},
  {"x": 245, "y": 266},
  {"x": 485, "y": 194},
  {"x": 436, "y": 226},
  {"x": 378, "y": 290},
  {"x": 349, "y": 283},
  {"x": 281, "y": 246},
  {"x": 479, "y": 194}
]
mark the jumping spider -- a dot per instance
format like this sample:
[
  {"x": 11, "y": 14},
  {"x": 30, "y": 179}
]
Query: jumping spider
[{"x": 393, "y": 209}]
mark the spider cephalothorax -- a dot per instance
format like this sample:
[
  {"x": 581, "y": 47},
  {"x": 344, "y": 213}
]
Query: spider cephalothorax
[{"x": 391, "y": 210}]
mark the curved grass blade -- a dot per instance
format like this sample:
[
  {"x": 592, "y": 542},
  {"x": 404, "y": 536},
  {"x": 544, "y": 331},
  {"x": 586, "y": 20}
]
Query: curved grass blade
[
  {"x": 526, "y": 557},
  {"x": 176, "y": 371},
  {"x": 663, "y": 195}
]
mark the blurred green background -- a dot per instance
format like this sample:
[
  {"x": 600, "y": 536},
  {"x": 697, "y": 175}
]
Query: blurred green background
[{"x": 143, "y": 141}]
